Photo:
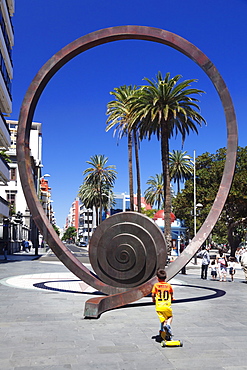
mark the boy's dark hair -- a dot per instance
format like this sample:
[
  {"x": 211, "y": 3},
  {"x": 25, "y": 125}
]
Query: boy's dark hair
[{"x": 161, "y": 274}]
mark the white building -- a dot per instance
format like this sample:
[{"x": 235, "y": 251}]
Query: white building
[
  {"x": 87, "y": 223},
  {"x": 12, "y": 191},
  {"x": 6, "y": 75}
]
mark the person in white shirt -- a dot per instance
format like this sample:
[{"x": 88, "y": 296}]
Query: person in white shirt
[
  {"x": 232, "y": 267},
  {"x": 244, "y": 263},
  {"x": 204, "y": 254}
]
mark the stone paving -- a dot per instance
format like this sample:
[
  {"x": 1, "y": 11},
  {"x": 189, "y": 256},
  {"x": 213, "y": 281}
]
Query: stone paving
[{"x": 42, "y": 324}]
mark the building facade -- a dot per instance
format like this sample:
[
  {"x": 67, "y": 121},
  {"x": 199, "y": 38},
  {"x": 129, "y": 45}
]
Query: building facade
[
  {"x": 6, "y": 75},
  {"x": 122, "y": 203},
  {"x": 72, "y": 220},
  {"x": 19, "y": 222},
  {"x": 87, "y": 223}
]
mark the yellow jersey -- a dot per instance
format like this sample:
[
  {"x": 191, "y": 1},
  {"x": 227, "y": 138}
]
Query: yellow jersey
[{"x": 163, "y": 295}]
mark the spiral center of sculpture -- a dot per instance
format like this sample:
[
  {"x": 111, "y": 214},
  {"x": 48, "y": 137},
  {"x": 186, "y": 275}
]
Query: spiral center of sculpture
[{"x": 123, "y": 256}]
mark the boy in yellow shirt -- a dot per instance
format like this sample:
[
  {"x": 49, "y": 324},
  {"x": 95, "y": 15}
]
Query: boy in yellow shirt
[{"x": 162, "y": 295}]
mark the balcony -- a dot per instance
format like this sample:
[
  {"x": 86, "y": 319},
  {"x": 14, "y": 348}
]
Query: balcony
[
  {"x": 5, "y": 141},
  {"x": 4, "y": 208},
  {"x": 4, "y": 172}
]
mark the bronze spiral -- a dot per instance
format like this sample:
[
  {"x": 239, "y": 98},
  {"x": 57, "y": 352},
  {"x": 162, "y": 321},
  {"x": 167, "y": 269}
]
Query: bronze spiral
[{"x": 126, "y": 249}]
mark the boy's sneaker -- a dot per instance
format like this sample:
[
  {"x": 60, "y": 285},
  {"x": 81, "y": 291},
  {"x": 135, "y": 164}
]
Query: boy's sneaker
[{"x": 168, "y": 331}]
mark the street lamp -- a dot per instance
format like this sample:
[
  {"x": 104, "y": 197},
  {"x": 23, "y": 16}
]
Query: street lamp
[
  {"x": 49, "y": 209},
  {"x": 198, "y": 205}
]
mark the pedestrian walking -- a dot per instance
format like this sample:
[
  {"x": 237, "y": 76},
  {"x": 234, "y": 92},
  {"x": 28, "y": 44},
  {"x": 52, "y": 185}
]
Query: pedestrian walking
[
  {"x": 244, "y": 264},
  {"x": 222, "y": 265},
  {"x": 213, "y": 268},
  {"x": 241, "y": 251},
  {"x": 204, "y": 254},
  {"x": 237, "y": 254},
  {"x": 232, "y": 267}
]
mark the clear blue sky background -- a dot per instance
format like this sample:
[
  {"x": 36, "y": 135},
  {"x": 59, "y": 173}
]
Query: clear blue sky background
[{"x": 72, "y": 107}]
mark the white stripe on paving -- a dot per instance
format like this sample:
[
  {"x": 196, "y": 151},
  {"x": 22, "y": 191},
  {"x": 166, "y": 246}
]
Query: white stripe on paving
[{"x": 63, "y": 282}]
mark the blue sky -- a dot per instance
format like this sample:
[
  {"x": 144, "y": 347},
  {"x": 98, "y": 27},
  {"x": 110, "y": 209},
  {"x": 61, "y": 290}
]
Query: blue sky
[{"x": 72, "y": 108}]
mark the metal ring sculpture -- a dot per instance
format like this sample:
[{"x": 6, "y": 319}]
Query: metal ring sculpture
[{"x": 122, "y": 294}]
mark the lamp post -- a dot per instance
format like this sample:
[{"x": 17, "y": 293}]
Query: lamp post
[
  {"x": 196, "y": 205},
  {"x": 49, "y": 209}
]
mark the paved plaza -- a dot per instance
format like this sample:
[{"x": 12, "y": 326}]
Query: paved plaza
[{"x": 42, "y": 324}]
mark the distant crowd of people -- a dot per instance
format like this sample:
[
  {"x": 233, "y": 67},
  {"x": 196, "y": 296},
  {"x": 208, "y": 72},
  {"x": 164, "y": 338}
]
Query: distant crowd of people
[{"x": 222, "y": 265}]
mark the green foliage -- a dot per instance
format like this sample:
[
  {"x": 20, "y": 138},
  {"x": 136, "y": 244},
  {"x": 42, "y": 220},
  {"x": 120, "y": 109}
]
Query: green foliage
[
  {"x": 5, "y": 156},
  {"x": 209, "y": 169},
  {"x": 56, "y": 229},
  {"x": 120, "y": 118},
  {"x": 154, "y": 194},
  {"x": 166, "y": 107},
  {"x": 70, "y": 233},
  {"x": 90, "y": 197},
  {"x": 99, "y": 180},
  {"x": 180, "y": 166},
  {"x": 99, "y": 174},
  {"x": 149, "y": 212}
]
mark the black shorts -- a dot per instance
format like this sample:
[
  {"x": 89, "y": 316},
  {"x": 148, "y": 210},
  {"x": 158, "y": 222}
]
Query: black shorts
[
  {"x": 213, "y": 273},
  {"x": 231, "y": 271}
]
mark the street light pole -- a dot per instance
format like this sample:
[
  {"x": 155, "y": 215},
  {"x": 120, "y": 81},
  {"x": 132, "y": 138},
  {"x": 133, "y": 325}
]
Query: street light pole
[{"x": 194, "y": 163}]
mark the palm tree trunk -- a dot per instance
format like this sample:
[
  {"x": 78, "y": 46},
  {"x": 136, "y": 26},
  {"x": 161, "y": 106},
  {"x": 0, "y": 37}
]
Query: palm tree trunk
[
  {"x": 167, "y": 189},
  {"x": 100, "y": 204},
  {"x": 138, "y": 174},
  {"x": 131, "y": 190},
  {"x": 88, "y": 233}
]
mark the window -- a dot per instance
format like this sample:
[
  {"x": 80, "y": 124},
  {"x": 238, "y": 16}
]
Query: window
[
  {"x": 13, "y": 174},
  {"x": 11, "y": 196}
]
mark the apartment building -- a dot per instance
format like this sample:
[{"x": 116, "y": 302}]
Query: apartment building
[
  {"x": 6, "y": 75},
  {"x": 72, "y": 219},
  {"x": 20, "y": 223},
  {"x": 87, "y": 223}
]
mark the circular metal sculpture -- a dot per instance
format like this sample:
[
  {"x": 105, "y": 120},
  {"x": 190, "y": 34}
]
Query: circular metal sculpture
[
  {"x": 126, "y": 249},
  {"x": 122, "y": 295}
]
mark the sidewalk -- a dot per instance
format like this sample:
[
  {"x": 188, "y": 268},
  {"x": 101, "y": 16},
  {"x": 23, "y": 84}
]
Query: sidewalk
[{"x": 42, "y": 325}]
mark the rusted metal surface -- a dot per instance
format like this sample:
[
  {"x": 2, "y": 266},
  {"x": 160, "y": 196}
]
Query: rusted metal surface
[
  {"x": 126, "y": 249},
  {"x": 23, "y": 152}
]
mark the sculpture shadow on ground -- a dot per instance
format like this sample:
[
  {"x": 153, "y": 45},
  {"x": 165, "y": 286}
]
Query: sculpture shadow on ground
[{"x": 217, "y": 293}]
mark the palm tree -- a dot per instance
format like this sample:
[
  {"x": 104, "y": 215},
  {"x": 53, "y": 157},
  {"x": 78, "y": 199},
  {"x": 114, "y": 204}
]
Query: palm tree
[
  {"x": 166, "y": 107},
  {"x": 181, "y": 167},
  {"x": 100, "y": 177},
  {"x": 89, "y": 197},
  {"x": 154, "y": 194},
  {"x": 119, "y": 116}
]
